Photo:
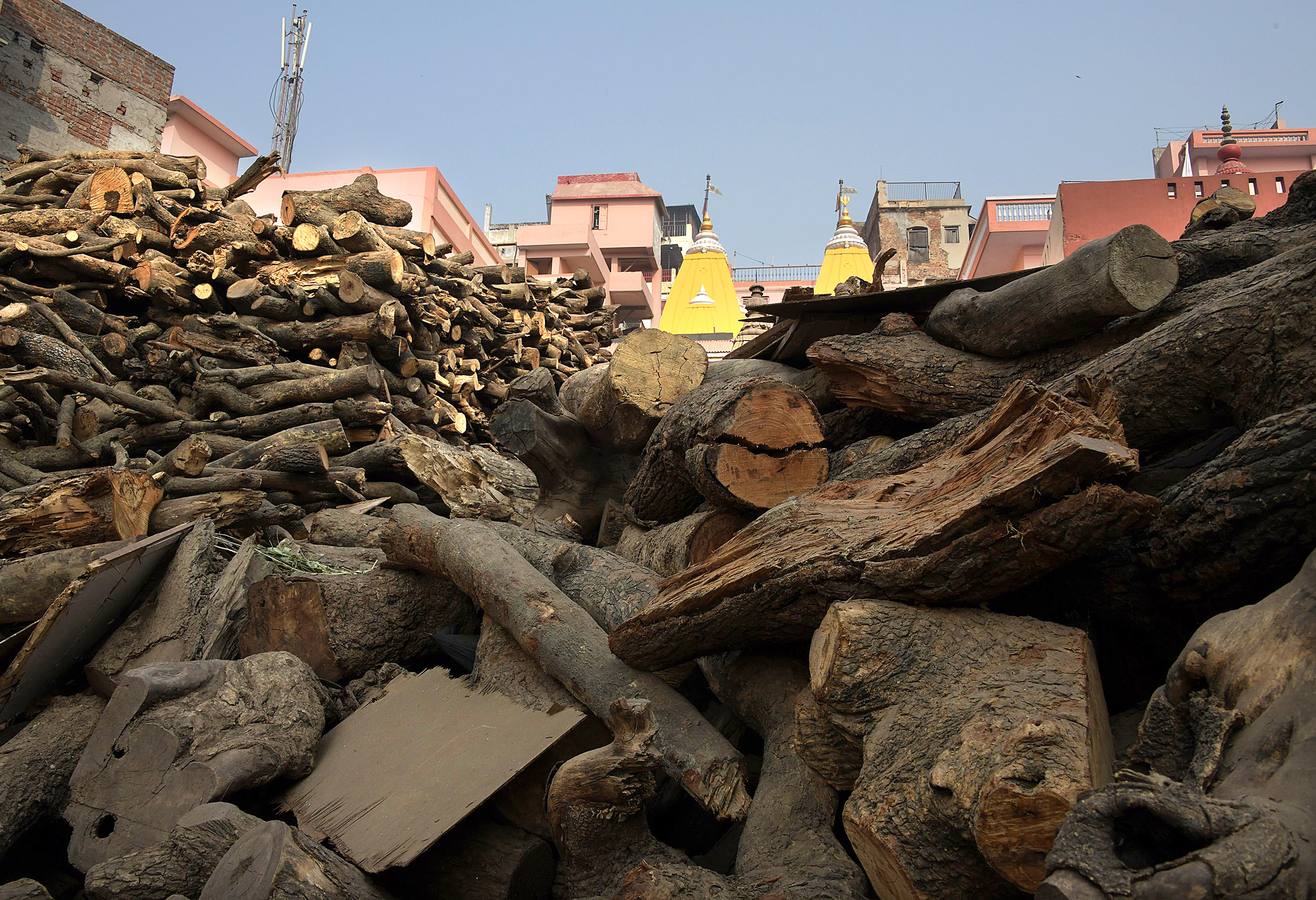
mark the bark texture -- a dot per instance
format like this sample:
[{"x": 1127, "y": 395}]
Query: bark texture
[
  {"x": 670, "y": 548},
  {"x": 274, "y": 862}
]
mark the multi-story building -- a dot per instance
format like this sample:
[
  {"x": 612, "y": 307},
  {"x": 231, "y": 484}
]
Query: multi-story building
[
  {"x": 680, "y": 227},
  {"x": 69, "y": 83},
  {"x": 927, "y": 222},
  {"x": 610, "y": 225},
  {"x": 1016, "y": 233}
]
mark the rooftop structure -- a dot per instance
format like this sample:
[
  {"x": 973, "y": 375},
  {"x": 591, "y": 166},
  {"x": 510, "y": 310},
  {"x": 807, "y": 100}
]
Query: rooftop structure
[
  {"x": 928, "y": 223},
  {"x": 191, "y": 131},
  {"x": 702, "y": 303},
  {"x": 1274, "y": 149},
  {"x": 1009, "y": 235}
]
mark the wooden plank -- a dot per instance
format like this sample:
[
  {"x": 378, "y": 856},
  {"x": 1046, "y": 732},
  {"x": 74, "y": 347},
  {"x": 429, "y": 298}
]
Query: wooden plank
[
  {"x": 80, "y": 617},
  {"x": 916, "y": 299},
  {"x": 397, "y": 774}
]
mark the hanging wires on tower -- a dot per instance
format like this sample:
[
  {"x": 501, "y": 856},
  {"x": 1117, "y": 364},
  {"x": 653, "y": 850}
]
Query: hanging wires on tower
[{"x": 294, "y": 39}]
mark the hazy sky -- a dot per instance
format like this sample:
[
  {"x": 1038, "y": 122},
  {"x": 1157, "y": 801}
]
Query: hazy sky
[{"x": 776, "y": 100}]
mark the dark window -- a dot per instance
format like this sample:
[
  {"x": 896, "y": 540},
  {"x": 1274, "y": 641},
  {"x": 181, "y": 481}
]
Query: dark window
[
  {"x": 952, "y": 234},
  {"x": 917, "y": 239},
  {"x": 1224, "y": 182},
  {"x": 1171, "y": 190},
  {"x": 1252, "y": 186},
  {"x": 1197, "y": 189},
  {"x": 598, "y": 218},
  {"x": 37, "y": 46},
  {"x": 1279, "y": 184},
  {"x": 96, "y": 79}
]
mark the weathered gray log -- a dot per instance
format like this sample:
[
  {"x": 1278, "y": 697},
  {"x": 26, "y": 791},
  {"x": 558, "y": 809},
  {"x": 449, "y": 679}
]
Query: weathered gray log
[
  {"x": 28, "y": 585},
  {"x": 274, "y": 862}
]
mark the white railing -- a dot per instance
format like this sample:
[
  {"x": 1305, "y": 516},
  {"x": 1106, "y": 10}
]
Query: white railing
[{"x": 1023, "y": 212}]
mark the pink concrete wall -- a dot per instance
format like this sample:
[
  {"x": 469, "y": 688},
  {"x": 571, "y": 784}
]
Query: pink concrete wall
[
  {"x": 182, "y": 137},
  {"x": 630, "y": 222}
]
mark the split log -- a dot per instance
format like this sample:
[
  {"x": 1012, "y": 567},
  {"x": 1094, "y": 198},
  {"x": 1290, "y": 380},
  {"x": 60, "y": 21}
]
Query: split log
[
  {"x": 622, "y": 402},
  {"x": 473, "y": 482},
  {"x": 176, "y": 735},
  {"x": 35, "y": 764},
  {"x": 1226, "y": 809},
  {"x": 29, "y": 585},
  {"x": 1123, "y": 274},
  {"x": 180, "y": 864},
  {"x": 739, "y": 444},
  {"x": 362, "y": 196},
  {"x": 221, "y": 507},
  {"x": 570, "y": 646},
  {"x": 957, "y": 797},
  {"x": 274, "y": 862},
  {"x": 670, "y": 548},
  {"x": 348, "y": 621},
  {"x": 100, "y": 505},
  {"x": 1017, "y": 498}
]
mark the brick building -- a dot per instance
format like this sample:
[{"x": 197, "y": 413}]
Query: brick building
[
  {"x": 927, "y": 222},
  {"x": 69, "y": 83}
]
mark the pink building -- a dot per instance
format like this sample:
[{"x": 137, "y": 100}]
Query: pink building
[
  {"x": 610, "y": 225},
  {"x": 1016, "y": 233},
  {"x": 190, "y": 130}
]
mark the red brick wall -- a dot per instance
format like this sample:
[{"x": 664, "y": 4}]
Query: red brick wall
[{"x": 73, "y": 34}]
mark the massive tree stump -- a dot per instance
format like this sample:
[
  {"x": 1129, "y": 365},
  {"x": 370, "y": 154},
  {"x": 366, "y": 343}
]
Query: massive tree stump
[
  {"x": 274, "y": 862},
  {"x": 620, "y": 403},
  {"x": 743, "y": 444},
  {"x": 176, "y": 735},
  {"x": 980, "y": 732},
  {"x": 35, "y": 764},
  {"x": 570, "y": 646},
  {"x": 180, "y": 864},
  {"x": 1226, "y": 810},
  {"x": 670, "y": 548},
  {"x": 1123, "y": 274},
  {"x": 1017, "y": 498},
  {"x": 360, "y": 614}
]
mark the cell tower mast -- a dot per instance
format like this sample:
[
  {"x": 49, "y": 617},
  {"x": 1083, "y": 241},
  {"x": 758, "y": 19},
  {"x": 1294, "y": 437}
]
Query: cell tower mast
[{"x": 294, "y": 40}]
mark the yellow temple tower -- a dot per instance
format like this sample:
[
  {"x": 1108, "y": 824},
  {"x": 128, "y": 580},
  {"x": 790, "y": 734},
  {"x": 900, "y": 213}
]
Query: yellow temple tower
[
  {"x": 846, "y": 253},
  {"x": 702, "y": 304}
]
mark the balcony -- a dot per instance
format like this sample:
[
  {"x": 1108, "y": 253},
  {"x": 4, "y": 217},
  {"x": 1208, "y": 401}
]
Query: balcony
[
  {"x": 1023, "y": 212},
  {"x": 632, "y": 289},
  {"x": 766, "y": 274}
]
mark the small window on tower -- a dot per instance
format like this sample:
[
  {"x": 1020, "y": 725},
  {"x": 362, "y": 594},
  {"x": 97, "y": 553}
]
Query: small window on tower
[
  {"x": 598, "y": 218},
  {"x": 952, "y": 234},
  {"x": 1252, "y": 186},
  {"x": 37, "y": 46},
  {"x": 96, "y": 79},
  {"x": 917, "y": 238},
  {"x": 1197, "y": 189},
  {"x": 1279, "y": 184},
  {"x": 1171, "y": 190}
]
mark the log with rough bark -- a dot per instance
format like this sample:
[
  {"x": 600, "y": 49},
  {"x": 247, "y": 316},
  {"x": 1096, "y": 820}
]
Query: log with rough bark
[
  {"x": 1230, "y": 351},
  {"x": 29, "y": 584},
  {"x": 570, "y": 646},
  {"x": 24, "y": 889},
  {"x": 35, "y": 764},
  {"x": 350, "y": 619},
  {"x": 1127, "y": 273},
  {"x": 176, "y": 735},
  {"x": 180, "y": 864},
  {"x": 744, "y": 444},
  {"x": 619, "y": 404},
  {"x": 100, "y": 505},
  {"x": 275, "y": 862},
  {"x": 1020, "y": 496},
  {"x": 959, "y": 797},
  {"x": 473, "y": 482},
  {"x": 361, "y": 195},
  {"x": 1225, "y": 809},
  {"x": 670, "y": 548}
]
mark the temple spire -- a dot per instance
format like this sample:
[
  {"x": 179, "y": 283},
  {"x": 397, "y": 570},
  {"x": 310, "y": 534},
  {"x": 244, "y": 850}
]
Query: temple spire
[
  {"x": 846, "y": 254},
  {"x": 1230, "y": 153}
]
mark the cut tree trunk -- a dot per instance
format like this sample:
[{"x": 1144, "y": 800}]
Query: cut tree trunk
[
  {"x": 362, "y": 195},
  {"x": 274, "y": 862},
  {"x": 35, "y": 764},
  {"x": 1013, "y": 500},
  {"x": 98, "y": 506},
  {"x": 1128, "y": 272},
  {"x": 570, "y": 646},
  {"x": 620, "y": 403},
  {"x": 350, "y": 620},
  {"x": 176, "y": 735},
  {"x": 180, "y": 864},
  {"x": 1226, "y": 809},
  {"x": 744, "y": 444},
  {"x": 959, "y": 797},
  {"x": 670, "y": 548}
]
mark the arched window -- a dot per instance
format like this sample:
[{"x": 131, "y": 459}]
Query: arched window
[{"x": 917, "y": 239}]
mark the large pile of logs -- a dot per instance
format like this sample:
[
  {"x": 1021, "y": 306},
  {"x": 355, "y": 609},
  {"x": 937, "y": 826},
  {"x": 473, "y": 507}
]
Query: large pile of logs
[{"x": 882, "y": 626}]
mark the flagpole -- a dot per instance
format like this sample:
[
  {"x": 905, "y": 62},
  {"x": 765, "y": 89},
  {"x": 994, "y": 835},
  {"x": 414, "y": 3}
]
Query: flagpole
[{"x": 708, "y": 182}]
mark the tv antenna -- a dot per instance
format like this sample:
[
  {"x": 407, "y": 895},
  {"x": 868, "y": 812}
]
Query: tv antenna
[{"x": 294, "y": 39}]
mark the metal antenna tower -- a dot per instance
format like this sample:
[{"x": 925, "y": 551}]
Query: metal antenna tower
[{"x": 294, "y": 40}]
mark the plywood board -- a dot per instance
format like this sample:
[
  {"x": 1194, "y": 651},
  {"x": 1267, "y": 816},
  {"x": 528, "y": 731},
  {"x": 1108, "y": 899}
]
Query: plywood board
[
  {"x": 398, "y": 773},
  {"x": 80, "y": 617}
]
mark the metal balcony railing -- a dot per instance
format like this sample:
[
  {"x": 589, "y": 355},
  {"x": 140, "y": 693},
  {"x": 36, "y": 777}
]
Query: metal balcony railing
[
  {"x": 761, "y": 274},
  {"x": 923, "y": 190},
  {"x": 1024, "y": 212}
]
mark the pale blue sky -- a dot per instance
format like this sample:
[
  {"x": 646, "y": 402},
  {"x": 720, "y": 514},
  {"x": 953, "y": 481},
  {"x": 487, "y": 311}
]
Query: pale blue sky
[{"x": 776, "y": 100}]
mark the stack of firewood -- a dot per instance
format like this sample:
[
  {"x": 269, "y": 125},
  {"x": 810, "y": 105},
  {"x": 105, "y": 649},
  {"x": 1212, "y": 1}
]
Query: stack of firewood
[{"x": 1010, "y": 585}]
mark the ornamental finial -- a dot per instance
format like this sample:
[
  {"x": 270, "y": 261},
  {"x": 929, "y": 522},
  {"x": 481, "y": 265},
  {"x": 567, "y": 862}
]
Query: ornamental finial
[{"x": 1225, "y": 127}]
